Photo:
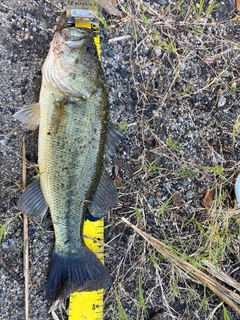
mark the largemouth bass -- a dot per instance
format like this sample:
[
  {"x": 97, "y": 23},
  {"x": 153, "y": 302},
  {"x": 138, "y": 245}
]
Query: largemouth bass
[{"x": 75, "y": 139}]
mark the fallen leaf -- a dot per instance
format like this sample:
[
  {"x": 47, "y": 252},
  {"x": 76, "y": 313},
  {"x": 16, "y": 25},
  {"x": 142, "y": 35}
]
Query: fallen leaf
[
  {"x": 208, "y": 198},
  {"x": 117, "y": 179},
  {"x": 229, "y": 36},
  {"x": 106, "y": 5},
  {"x": 26, "y": 37},
  {"x": 238, "y": 5},
  {"x": 177, "y": 199}
]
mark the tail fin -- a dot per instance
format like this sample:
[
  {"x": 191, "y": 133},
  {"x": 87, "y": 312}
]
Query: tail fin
[{"x": 82, "y": 271}]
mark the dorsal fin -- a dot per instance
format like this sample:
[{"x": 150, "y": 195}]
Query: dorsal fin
[{"x": 113, "y": 139}]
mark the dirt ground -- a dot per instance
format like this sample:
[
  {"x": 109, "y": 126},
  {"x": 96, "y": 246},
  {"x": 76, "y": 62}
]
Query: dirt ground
[{"x": 174, "y": 86}]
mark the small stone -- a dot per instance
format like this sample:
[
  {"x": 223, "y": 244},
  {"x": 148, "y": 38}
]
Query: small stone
[
  {"x": 163, "y": 2},
  {"x": 149, "y": 108},
  {"x": 185, "y": 183},
  {"x": 218, "y": 158},
  {"x": 189, "y": 195},
  {"x": 151, "y": 200},
  {"x": 123, "y": 73},
  {"x": 29, "y": 17},
  {"x": 158, "y": 51},
  {"x": 3, "y": 142},
  {"x": 7, "y": 244},
  {"x": 116, "y": 57},
  {"x": 207, "y": 161},
  {"x": 110, "y": 53},
  {"x": 222, "y": 101}
]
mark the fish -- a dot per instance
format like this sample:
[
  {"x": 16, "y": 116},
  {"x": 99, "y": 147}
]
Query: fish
[{"x": 75, "y": 142}]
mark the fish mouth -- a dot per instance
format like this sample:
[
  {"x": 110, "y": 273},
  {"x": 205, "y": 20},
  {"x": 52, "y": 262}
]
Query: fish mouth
[
  {"x": 74, "y": 34},
  {"x": 72, "y": 37},
  {"x": 74, "y": 43}
]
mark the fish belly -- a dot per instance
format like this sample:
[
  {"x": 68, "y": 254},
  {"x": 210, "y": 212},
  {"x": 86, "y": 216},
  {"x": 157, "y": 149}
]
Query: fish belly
[{"x": 72, "y": 136}]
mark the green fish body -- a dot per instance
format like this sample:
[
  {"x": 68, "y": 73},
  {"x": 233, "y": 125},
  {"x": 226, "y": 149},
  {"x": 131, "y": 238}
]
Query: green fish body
[{"x": 74, "y": 138}]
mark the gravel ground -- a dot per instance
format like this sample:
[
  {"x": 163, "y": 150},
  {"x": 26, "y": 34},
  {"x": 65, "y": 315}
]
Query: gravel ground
[{"x": 174, "y": 87}]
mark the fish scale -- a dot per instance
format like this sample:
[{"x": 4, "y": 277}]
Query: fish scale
[{"x": 69, "y": 150}]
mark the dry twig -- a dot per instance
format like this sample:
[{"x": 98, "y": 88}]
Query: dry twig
[
  {"x": 109, "y": 7},
  {"x": 25, "y": 235},
  {"x": 54, "y": 5}
]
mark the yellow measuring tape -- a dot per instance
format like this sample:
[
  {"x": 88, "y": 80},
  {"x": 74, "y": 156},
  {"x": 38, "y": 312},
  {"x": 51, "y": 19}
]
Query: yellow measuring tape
[
  {"x": 89, "y": 305},
  {"x": 96, "y": 34}
]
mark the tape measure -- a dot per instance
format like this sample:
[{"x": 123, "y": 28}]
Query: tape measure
[
  {"x": 83, "y": 14},
  {"x": 88, "y": 305}
]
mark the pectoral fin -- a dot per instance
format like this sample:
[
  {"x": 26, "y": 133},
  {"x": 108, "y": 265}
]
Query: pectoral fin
[
  {"x": 32, "y": 201},
  {"x": 29, "y": 115},
  {"x": 104, "y": 199}
]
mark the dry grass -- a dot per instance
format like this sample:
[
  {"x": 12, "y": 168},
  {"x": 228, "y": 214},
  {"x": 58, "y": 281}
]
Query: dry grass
[
  {"x": 169, "y": 177},
  {"x": 186, "y": 264}
]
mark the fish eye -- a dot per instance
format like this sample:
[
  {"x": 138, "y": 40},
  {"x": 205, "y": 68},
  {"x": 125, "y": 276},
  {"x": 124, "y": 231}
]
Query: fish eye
[{"x": 92, "y": 51}]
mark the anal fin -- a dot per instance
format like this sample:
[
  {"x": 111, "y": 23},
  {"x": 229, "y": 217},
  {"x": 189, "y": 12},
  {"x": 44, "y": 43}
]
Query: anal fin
[
  {"x": 104, "y": 199},
  {"x": 32, "y": 202}
]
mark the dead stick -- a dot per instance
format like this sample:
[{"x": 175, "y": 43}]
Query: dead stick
[
  {"x": 25, "y": 235},
  {"x": 54, "y": 5}
]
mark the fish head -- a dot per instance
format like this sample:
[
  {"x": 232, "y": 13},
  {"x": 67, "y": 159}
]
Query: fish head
[{"x": 72, "y": 65}]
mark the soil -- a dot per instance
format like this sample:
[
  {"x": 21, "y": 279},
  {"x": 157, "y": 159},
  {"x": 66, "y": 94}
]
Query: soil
[{"x": 174, "y": 85}]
